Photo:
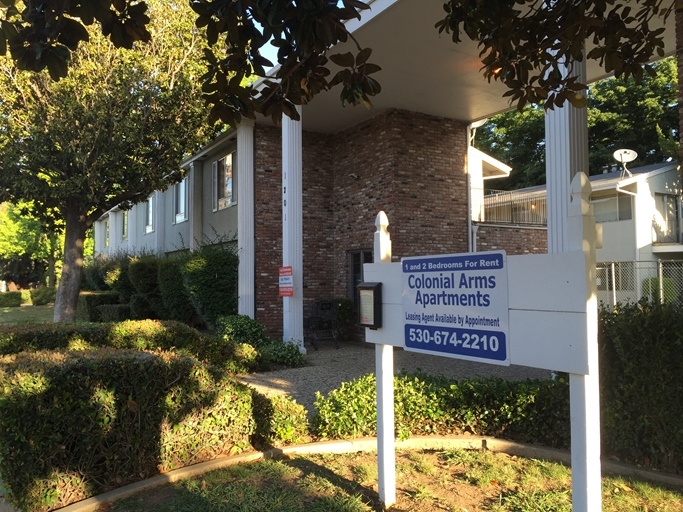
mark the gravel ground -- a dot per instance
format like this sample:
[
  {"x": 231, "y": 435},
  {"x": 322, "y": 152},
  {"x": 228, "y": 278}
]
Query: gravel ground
[{"x": 328, "y": 367}]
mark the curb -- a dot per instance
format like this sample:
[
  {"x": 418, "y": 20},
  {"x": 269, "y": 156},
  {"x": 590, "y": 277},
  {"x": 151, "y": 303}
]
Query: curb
[{"x": 367, "y": 444}]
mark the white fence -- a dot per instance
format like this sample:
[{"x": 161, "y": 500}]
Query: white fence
[{"x": 630, "y": 281}]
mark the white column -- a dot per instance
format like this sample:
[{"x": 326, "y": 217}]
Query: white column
[
  {"x": 195, "y": 189},
  {"x": 245, "y": 217},
  {"x": 566, "y": 154},
  {"x": 292, "y": 228},
  {"x": 159, "y": 218}
]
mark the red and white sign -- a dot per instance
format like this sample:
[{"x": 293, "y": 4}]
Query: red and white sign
[{"x": 286, "y": 282}]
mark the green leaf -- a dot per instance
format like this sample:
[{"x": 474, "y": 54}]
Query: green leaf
[
  {"x": 344, "y": 60},
  {"x": 363, "y": 56}
]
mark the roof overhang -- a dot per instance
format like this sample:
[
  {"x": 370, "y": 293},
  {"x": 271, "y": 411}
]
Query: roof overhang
[
  {"x": 422, "y": 71},
  {"x": 490, "y": 167}
]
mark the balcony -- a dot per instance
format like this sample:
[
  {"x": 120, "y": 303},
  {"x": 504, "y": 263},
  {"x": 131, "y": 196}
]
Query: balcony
[{"x": 512, "y": 207}]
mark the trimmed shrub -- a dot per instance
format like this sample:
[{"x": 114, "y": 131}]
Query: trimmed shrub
[
  {"x": 114, "y": 312},
  {"x": 25, "y": 296},
  {"x": 641, "y": 382},
  {"x": 140, "y": 335},
  {"x": 173, "y": 293},
  {"x": 279, "y": 420},
  {"x": 210, "y": 278},
  {"x": 242, "y": 329},
  {"x": 42, "y": 296},
  {"x": 140, "y": 308},
  {"x": 529, "y": 411},
  {"x": 89, "y": 303},
  {"x": 143, "y": 273},
  {"x": 118, "y": 280},
  {"x": 77, "y": 424},
  {"x": 10, "y": 299},
  {"x": 346, "y": 319},
  {"x": 95, "y": 272}
]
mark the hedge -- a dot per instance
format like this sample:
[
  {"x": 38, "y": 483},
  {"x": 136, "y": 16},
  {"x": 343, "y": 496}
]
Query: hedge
[
  {"x": 114, "y": 312},
  {"x": 241, "y": 329},
  {"x": 143, "y": 273},
  {"x": 42, "y": 296},
  {"x": 172, "y": 290},
  {"x": 210, "y": 278},
  {"x": 89, "y": 302},
  {"x": 641, "y": 380},
  {"x": 528, "y": 411},
  {"x": 10, "y": 299},
  {"x": 77, "y": 424}
]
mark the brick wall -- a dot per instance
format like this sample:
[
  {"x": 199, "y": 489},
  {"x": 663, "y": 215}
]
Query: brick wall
[
  {"x": 512, "y": 239},
  {"x": 410, "y": 165},
  {"x": 317, "y": 186}
]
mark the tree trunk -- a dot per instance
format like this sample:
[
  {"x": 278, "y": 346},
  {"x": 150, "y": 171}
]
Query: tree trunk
[
  {"x": 51, "y": 276},
  {"x": 72, "y": 269}
]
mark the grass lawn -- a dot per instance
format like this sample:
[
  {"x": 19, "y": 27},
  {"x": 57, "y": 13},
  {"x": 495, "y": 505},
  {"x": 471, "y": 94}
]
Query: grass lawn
[
  {"x": 26, "y": 315},
  {"x": 427, "y": 481}
]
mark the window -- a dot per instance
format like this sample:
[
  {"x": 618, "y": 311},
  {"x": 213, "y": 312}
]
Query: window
[
  {"x": 180, "y": 201},
  {"x": 666, "y": 221},
  {"x": 356, "y": 260},
  {"x": 149, "y": 215},
  {"x": 124, "y": 225},
  {"x": 612, "y": 208},
  {"x": 224, "y": 175},
  {"x": 106, "y": 232}
]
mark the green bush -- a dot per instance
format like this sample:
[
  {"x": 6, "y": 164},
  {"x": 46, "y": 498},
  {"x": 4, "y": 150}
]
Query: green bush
[
  {"x": 529, "y": 411},
  {"x": 210, "y": 278},
  {"x": 95, "y": 272},
  {"x": 346, "y": 319},
  {"x": 115, "y": 312},
  {"x": 143, "y": 273},
  {"x": 10, "y": 299},
  {"x": 641, "y": 380},
  {"x": 279, "y": 420},
  {"x": 140, "y": 335},
  {"x": 89, "y": 303},
  {"x": 140, "y": 308},
  {"x": 118, "y": 280},
  {"x": 173, "y": 293},
  {"x": 25, "y": 296},
  {"x": 652, "y": 289},
  {"x": 82, "y": 423},
  {"x": 42, "y": 296},
  {"x": 242, "y": 329}
]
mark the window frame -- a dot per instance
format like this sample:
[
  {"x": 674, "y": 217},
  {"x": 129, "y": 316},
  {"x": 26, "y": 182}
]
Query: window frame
[
  {"x": 124, "y": 225},
  {"x": 180, "y": 201},
  {"x": 221, "y": 202},
  {"x": 149, "y": 215},
  {"x": 365, "y": 256}
]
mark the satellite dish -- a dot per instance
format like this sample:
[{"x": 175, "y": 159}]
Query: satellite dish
[{"x": 623, "y": 156}]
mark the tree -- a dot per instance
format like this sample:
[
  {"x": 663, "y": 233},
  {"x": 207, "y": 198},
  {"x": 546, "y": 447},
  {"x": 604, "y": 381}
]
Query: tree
[
  {"x": 621, "y": 114},
  {"x": 524, "y": 44},
  {"x": 28, "y": 247},
  {"x": 109, "y": 134}
]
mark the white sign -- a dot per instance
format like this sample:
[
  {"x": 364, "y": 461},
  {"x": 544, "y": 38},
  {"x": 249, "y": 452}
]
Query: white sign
[{"x": 456, "y": 305}]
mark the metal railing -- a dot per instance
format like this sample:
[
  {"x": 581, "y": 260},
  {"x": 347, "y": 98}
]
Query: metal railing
[
  {"x": 630, "y": 281},
  {"x": 509, "y": 207}
]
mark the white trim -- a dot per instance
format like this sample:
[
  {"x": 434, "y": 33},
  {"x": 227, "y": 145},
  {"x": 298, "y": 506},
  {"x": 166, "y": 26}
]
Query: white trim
[{"x": 149, "y": 215}]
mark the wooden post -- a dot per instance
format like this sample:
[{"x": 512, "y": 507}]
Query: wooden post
[{"x": 384, "y": 371}]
